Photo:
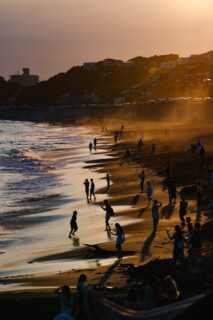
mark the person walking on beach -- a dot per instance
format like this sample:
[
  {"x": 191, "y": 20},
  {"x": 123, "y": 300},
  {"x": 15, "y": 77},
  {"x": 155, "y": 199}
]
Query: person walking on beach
[
  {"x": 95, "y": 143},
  {"x": 92, "y": 189},
  {"x": 142, "y": 179},
  {"x": 155, "y": 213},
  {"x": 73, "y": 224},
  {"x": 120, "y": 239},
  {"x": 86, "y": 184},
  {"x": 90, "y": 146},
  {"x": 149, "y": 191},
  {"x": 183, "y": 210},
  {"x": 109, "y": 213},
  {"x": 108, "y": 181},
  {"x": 178, "y": 249}
]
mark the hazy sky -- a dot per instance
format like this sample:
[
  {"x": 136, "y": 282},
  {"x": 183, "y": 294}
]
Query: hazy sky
[{"x": 50, "y": 36}]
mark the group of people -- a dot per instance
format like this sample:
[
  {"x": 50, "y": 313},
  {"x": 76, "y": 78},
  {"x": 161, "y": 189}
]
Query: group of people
[
  {"x": 191, "y": 241},
  {"x": 149, "y": 294},
  {"x": 153, "y": 293},
  {"x": 90, "y": 189},
  {"x": 93, "y": 145}
]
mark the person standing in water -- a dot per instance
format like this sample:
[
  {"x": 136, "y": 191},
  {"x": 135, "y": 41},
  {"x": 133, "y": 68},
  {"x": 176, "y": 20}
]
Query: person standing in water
[
  {"x": 73, "y": 224},
  {"x": 155, "y": 213},
  {"x": 92, "y": 189},
  {"x": 109, "y": 213},
  {"x": 90, "y": 146},
  {"x": 95, "y": 143},
  {"x": 86, "y": 184},
  {"x": 120, "y": 239}
]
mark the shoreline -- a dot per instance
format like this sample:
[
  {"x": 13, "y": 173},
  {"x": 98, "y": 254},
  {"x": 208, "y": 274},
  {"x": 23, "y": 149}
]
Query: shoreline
[{"x": 141, "y": 213}]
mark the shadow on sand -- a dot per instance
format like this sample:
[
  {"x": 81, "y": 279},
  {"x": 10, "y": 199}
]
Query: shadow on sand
[{"x": 146, "y": 246}]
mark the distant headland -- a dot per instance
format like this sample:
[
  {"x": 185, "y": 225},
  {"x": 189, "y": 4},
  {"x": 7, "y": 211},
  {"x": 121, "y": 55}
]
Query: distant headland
[{"x": 113, "y": 83}]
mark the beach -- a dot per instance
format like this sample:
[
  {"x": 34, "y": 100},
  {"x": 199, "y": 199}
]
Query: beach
[{"x": 58, "y": 264}]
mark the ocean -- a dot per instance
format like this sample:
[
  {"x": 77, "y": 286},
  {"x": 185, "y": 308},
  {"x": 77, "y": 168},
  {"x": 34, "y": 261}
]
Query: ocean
[{"x": 43, "y": 168}]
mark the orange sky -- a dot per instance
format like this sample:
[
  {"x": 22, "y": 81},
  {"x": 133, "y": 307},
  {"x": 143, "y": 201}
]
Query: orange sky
[{"x": 50, "y": 36}]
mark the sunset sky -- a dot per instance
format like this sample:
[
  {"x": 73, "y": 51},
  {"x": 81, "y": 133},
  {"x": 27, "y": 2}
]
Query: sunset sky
[{"x": 50, "y": 36}]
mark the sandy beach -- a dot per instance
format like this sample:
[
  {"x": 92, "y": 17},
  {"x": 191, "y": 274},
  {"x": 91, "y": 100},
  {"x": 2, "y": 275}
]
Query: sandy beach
[
  {"x": 97, "y": 257},
  {"x": 141, "y": 245}
]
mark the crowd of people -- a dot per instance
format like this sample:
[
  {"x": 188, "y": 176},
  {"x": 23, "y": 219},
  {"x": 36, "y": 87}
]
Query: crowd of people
[{"x": 186, "y": 235}]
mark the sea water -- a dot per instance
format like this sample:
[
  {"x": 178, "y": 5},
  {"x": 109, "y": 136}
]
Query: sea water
[{"x": 42, "y": 170}]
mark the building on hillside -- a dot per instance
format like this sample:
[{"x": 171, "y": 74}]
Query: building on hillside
[
  {"x": 111, "y": 63},
  {"x": 89, "y": 65},
  {"x": 168, "y": 64},
  {"x": 25, "y": 79}
]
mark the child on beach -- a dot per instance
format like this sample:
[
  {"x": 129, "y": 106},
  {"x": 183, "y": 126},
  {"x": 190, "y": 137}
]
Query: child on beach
[
  {"x": 73, "y": 224},
  {"x": 149, "y": 191},
  {"x": 120, "y": 239},
  {"x": 109, "y": 213}
]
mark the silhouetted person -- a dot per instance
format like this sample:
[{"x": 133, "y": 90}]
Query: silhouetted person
[
  {"x": 183, "y": 210},
  {"x": 95, "y": 143},
  {"x": 178, "y": 249},
  {"x": 140, "y": 144},
  {"x": 122, "y": 129},
  {"x": 149, "y": 191},
  {"x": 155, "y": 213},
  {"x": 90, "y": 146},
  {"x": 127, "y": 154},
  {"x": 109, "y": 213},
  {"x": 65, "y": 300},
  {"x": 86, "y": 184},
  {"x": 116, "y": 137},
  {"x": 92, "y": 189},
  {"x": 120, "y": 239},
  {"x": 81, "y": 286},
  {"x": 142, "y": 179},
  {"x": 73, "y": 224}
]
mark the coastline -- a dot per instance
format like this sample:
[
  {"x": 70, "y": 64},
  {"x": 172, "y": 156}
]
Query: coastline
[{"x": 125, "y": 191}]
